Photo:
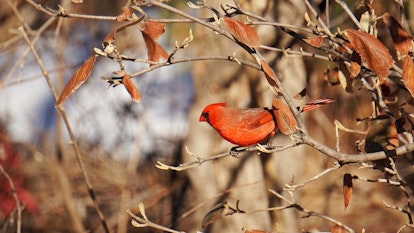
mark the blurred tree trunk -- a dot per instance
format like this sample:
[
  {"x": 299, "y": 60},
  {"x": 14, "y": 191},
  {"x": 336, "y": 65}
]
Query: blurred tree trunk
[{"x": 250, "y": 176}]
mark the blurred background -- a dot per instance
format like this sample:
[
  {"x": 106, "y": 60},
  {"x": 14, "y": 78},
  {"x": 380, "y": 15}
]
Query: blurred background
[{"x": 121, "y": 141}]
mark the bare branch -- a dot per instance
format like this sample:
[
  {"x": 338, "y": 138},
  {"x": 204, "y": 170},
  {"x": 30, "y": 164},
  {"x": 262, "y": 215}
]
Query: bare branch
[
  {"x": 63, "y": 13},
  {"x": 69, "y": 129},
  {"x": 310, "y": 213},
  {"x": 143, "y": 221}
]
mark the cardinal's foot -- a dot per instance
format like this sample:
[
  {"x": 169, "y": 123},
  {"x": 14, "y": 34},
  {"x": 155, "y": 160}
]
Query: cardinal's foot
[{"x": 234, "y": 151}]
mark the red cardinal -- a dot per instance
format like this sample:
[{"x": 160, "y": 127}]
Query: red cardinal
[
  {"x": 243, "y": 127},
  {"x": 246, "y": 127}
]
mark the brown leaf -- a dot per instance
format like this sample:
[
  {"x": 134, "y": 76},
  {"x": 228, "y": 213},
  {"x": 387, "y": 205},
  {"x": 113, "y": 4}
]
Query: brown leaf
[
  {"x": 347, "y": 189},
  {"x": 345, "y": 78},
  {"x": 215, "y": 213},
  {"x": 408, "y": 74},
  {"x": 284, "y": 117},
  {"x": 130, "y": 87},
  {"x": 109, "y": 38},
  {"x": 268, "y": 72},
  {"x": 374, "y": 54},
  {"x": 316, "y": 104},
  {"x": 245, "y": 230},
  {"x": 338, "y": 229},
  {"x": 402, "y": 40},
  {"x": 242, "y": 32},
  {"x": 77, "y": 79},
  {"x": 354, "y": 69},
  {"x": 126, "y": 13},
  {"x": 315, "y": 41},
  {"x": 151, "y": 31}
]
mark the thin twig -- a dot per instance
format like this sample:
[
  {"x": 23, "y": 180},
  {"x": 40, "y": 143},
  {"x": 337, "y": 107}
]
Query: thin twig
[
  {"x": 350, "y": 14},
  {"x": 62, "y": 13},
  {"x": 310, "y": 213},
  {"x": 24, "y": 55},
  {"x": 290, "y": 52},
  {"x": 315, "y": 14},
  {"x": 143, "y": 221},
  {"x": 70, "y": 131},
  {"x": 293, "y": 187}
]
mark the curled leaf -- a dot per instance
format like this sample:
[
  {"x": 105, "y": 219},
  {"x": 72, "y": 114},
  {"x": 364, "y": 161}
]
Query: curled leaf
[
  {"x": 408, "y": 74},
  {"x": 354, "y": 69},
  {"x": 402, "y": 40},
  {"x": 316, "y": 104},
  {"x": 215, "y": 213},
  {"x": 130, "y": 87},
  {"x": 269, "y": 74},
  {"x": 345, "y": 77},
  {"x": 151, "y": 30},
  {"x": 77, "y": 79},
  {"x": 315, "y": 41},
  {"x": 374, "y": 54},
  {"x": 347, "y": 189},
  {"x": 246, "y": 230},
  {"x": 284, "y": 117},
  {"x": 242, "y": 32}
]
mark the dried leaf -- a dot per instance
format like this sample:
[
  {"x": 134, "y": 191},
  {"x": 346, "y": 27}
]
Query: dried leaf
[
  {"x": 338, "y": 229},
  {"x": 345, "y": 77},
  {"x": 402, "y": 40},
  {"x": 284, "y": 117},
  {"x": 108, "y": 42},
  {"x": 77, "y": 79},
  {"x": 151, "y": 31},
  {"x": 268, "y": 72},
  {"x": 408, "y": 74},
  {"x": 316, "y": 104},
  {"x": 130, "y": 87},
  {"x": 242, "y": 32},
  {"x": 245, "y": 230},
  {"x": 215, "y": 213},
  {"x": 347, "y": 189},
  {"x": 126, "y": 13},
  {"x": 315, "y": 41},
  {"x": 354, "y": 69},
  {"x": 374, "y": 54}
]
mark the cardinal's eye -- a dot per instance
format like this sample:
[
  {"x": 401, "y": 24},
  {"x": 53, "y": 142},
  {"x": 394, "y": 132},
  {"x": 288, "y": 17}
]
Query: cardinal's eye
[{"x": 205, "y": 115}]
